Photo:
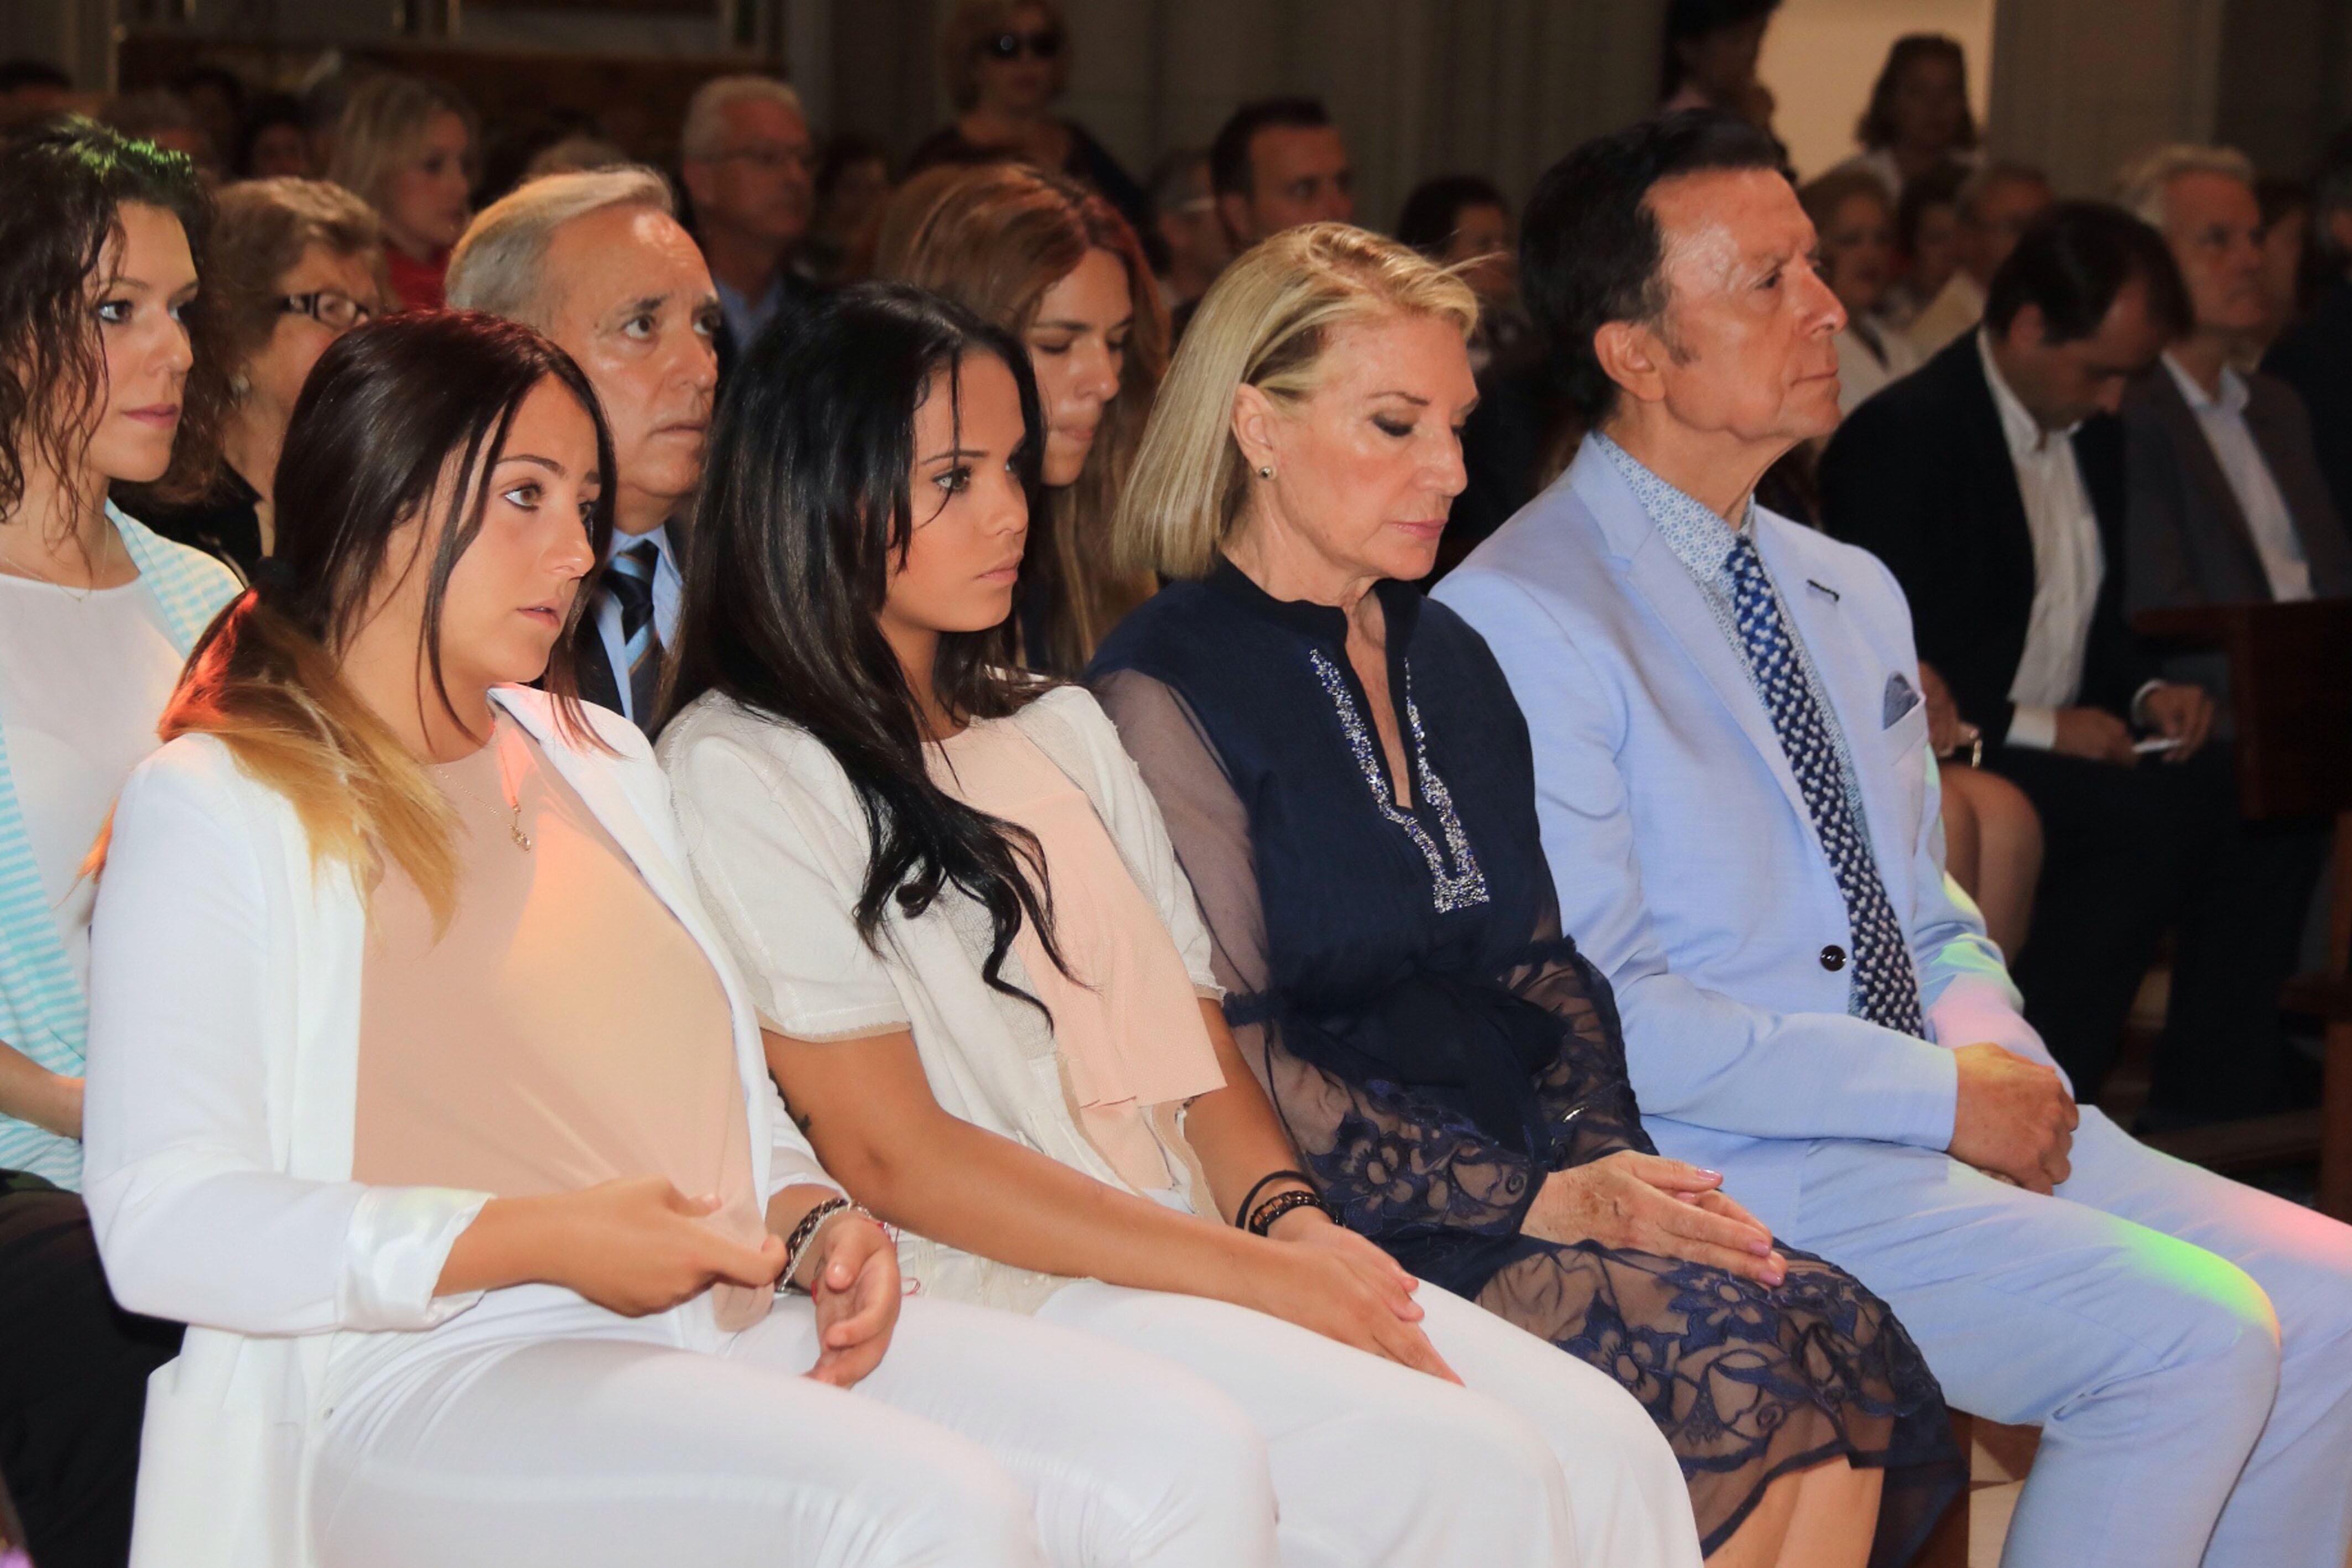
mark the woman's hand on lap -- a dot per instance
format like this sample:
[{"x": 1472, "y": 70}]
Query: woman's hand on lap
[
  {"x": 1355, "y": 1295},
  {"x": 640, "y": 1246},
  {"x": 1647, "y": 1203},
  {"x": 853, "y": 1278}
]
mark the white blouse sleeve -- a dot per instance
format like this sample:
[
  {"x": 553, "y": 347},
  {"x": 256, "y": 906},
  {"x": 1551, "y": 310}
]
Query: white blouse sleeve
[
  {"x": 184, "y": 1171},
  {"x": 780, "y": 872}
]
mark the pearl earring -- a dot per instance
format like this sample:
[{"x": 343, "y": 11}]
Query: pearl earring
[{"x": 1265, "y": 471}]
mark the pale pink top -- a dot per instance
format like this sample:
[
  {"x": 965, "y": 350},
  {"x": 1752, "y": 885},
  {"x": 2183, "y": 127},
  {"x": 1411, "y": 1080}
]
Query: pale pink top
[
  {"x": 564, "y": 1031},
  {"x": 1130, "y": 1037}
]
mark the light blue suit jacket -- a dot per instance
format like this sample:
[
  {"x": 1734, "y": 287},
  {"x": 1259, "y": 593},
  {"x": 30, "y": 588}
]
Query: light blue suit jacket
[{"x": 1688, "y": 866}]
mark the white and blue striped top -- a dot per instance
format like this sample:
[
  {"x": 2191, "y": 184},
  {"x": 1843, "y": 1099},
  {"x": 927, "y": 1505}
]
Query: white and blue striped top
[{"x": 44, "y": 1014}]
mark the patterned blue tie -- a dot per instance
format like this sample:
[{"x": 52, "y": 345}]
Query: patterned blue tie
[
  {"x": 1882, "y": 975},
  {"x": 629, "y": 579}
]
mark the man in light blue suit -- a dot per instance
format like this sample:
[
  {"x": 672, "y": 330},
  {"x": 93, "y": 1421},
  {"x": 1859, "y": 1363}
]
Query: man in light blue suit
[{"x": 1741, "y": 816}]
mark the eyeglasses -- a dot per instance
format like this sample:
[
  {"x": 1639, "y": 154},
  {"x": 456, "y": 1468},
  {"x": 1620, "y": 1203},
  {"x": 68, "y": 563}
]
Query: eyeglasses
[
  {"x": 1042, "y": 45},
  {"x": 329, "y": 307}
]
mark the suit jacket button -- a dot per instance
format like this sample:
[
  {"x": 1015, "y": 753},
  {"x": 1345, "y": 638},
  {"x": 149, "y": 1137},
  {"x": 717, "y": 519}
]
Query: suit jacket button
[{"x": 1832, "y": 958}]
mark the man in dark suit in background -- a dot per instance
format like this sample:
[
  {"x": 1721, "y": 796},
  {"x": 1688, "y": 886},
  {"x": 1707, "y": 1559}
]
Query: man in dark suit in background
[
  {"x": 1991, "y": 482},
  {"x": 2228, "y": 502},
  {"x": 2314, "y": 355}
]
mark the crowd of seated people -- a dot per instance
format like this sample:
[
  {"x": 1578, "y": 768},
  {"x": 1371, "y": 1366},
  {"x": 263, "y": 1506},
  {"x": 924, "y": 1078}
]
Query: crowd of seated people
[{"x": 747, "y": 863}]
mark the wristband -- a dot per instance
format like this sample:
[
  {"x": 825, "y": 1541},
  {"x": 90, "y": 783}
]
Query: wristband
[
  {"x": 805, "y": 1233},
  {"x": 1241, "y": 1215},
  {"x": 1261, "y": 1222}
]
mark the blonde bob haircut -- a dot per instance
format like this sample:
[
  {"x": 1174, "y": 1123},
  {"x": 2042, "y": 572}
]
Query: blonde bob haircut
[{"x": 1264, "y": 323}]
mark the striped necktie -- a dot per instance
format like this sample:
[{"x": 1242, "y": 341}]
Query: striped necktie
[{"x": 629, "y": 579}]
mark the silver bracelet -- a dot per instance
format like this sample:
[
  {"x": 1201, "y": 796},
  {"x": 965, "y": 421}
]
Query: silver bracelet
[{"x": 812, "y": 1225}]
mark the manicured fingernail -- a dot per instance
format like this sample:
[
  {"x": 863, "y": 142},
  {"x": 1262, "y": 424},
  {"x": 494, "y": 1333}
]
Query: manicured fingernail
[{"x": 1711, "y": 1176}]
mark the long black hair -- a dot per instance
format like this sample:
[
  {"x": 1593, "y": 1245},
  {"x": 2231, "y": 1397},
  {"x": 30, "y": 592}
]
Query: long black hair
[{"x": 806, "y": 500}]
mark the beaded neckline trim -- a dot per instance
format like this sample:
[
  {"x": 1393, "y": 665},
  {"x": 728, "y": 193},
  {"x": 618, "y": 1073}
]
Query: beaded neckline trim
[{"x": 1463, "y": 887}]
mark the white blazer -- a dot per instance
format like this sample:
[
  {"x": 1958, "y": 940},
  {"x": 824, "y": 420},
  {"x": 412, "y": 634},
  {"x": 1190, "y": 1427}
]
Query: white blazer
[{"x": 224, "y": 1050}]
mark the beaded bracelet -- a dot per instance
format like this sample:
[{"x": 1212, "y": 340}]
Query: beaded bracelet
[
  {"x": 1242, "y": 1215},
  {"x": 1261, "y": 1221},
  {"x": 804, "y": 1234}
]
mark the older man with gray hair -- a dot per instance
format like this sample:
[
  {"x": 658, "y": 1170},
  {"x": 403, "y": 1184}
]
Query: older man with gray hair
[
  {"x": 598, "y": 263},
  {"x": 750, "y": 167},
  {"x": 2228, "y": 505}
]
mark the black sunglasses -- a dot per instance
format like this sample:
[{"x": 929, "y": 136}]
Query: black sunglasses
[{"x": 1042, "y": 45}]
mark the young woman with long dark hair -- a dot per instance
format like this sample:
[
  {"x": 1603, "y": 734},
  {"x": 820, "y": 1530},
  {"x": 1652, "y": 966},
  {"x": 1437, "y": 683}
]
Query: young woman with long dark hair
[
  {"x": 986, "y": 991},
  {"x": 421, "y": 1087},
  {"x": 103, "y": 378},
  {"x": 1054, "y": 264}
]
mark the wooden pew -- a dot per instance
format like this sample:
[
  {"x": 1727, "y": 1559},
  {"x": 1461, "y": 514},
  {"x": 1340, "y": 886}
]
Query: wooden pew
[{"x": 2291, "y": 689}]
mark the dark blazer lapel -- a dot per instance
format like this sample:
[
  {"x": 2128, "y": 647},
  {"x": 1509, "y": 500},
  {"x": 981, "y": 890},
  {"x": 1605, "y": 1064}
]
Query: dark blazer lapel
[
  {"x": 2195, "y": 452},
  {"x": 1991, "y": 478},
  {"x": 2282, "y": 433},
  {"x": 595, "y": 669}
]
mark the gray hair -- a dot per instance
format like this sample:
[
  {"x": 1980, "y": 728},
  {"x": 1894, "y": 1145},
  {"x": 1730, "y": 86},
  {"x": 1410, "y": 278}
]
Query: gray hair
[
  {"x": 499, "y": 264},
  {"x": 706, "y": 111},
  {"x": 2145, "y": 185}
]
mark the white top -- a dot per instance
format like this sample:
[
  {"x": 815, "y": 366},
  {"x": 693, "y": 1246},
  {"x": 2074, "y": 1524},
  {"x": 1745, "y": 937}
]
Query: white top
[
  {"x": 2069, "y": 564},
  {"x": 779, "y": 844},
  {"x": 224, "y": 1060},
  {"x": 2223, "y": 421},
  {"x": 669, "y": 588},
  {"x": 84, "y": 676},
  {"x": 1870, "y": 354}
]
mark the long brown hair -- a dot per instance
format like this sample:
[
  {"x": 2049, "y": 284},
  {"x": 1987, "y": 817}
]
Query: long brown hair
[
  {"x": 62, "y": 189},
  {"x": 392, "y": 411},
  {"x": 993, "y": 239}
]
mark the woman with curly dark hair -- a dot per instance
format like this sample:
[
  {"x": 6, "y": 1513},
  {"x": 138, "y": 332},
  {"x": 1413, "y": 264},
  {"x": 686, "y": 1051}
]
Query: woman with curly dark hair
[{"x": 103, "y": 380}]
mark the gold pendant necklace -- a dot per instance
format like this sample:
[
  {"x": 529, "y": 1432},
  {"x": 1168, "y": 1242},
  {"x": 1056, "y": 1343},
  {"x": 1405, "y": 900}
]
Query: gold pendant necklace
[{"x": 511, "y": 794}]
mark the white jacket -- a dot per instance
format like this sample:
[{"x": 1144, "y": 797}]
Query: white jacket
[{"x": 223, "y": 1048}]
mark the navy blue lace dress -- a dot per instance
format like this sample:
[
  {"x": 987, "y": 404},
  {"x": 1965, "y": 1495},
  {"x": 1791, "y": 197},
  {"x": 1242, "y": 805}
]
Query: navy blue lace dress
[{"x": 1436, "y": 1045}]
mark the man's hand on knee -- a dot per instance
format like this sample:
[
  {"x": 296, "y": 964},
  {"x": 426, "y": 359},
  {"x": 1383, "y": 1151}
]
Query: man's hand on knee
[{"x": 2014, "y": 1117}]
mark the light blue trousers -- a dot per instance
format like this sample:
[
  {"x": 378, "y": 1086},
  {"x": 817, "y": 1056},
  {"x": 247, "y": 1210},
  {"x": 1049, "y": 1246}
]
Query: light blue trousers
[{"x": 2183, "y": 1340}]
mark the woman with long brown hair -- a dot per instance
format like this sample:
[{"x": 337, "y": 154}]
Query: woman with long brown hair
[{"x": 1055, "y": 265}]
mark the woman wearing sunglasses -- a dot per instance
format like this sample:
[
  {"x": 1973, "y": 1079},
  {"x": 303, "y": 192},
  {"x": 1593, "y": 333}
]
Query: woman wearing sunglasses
[
  {"x": 1006, "y": 62},
  {"x": 294, "y": 264}
]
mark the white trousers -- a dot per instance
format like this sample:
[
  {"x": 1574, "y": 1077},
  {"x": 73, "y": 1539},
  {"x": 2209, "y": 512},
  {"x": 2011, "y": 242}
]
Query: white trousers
[
  {"x": 984, "y": 1439},
  {"x": 1536, "y": 1460},
  {"x": 1120, "y": 1427}
]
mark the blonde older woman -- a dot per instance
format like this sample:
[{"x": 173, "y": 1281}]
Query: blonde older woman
[
  {"x": 407, "y": 147},
  {"x": 1349, "y": 789}
]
